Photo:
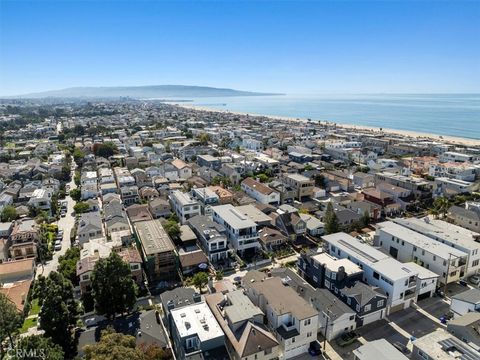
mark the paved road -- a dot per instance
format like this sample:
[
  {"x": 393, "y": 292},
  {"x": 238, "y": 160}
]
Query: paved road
[
  {"x": 66, "y": 224},
  {"x": 413, "y": 322},
  {"x": 435, "y": 306}
]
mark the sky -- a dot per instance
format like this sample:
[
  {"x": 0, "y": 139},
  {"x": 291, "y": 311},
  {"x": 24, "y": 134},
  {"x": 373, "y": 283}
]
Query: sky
[{"x": 280, "y": 46}]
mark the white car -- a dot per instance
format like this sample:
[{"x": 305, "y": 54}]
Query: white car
[{"x": 474, "y": 279}]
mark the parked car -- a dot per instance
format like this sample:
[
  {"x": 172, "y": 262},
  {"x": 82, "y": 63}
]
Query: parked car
[
  {"x": 474, "y": 279},
  {"x": 315, "y": 348},
  {"x": 402, "y": 348},
  {"x": 347, "y": 338},
  {"x": 58, "y": 246}
]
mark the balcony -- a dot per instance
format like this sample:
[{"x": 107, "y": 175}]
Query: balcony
[
  {"x": 412, "y": 283},
  {"x": 409, "y": 294},
  {"x": 251, "y": 236}
]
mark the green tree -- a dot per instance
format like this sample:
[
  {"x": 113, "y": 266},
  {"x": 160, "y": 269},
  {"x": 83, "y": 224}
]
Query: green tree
[
  {"x": 319, "y": 180},
  {"x": 58, "y": 314},
  {"x": 81, "y": 207},
  {"x": 105, "y": 150},
  {"x": 113, "y": 288},
  {"x": 9, "y": 213},
  {"x": 441, "y": 204},
  {"x": 67, "y": 264},
  {"x": 78, "y": 156},
  {"x": 330, "y": 220},
  {"x": 75, "y": 194},
  {"x": 204, "y": 138},
  {"x": 199, "y": 280},
  {"x": 263, "y": 178},
  {"x": 113, "y": 346},
  {"x": 172, "y": 229},
  {"x": 36, "y": 347},
  {"x": 365, "y": 219},
  {"x": 10, "y": 319}
]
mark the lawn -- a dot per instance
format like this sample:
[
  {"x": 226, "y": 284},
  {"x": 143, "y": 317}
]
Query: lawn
[
  {"x": 27, "y": 324},
  {"x": 34, "y": 307}
]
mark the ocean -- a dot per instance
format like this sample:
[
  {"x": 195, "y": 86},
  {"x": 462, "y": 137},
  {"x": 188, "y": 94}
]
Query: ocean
[{"x": 441, "y": 114}]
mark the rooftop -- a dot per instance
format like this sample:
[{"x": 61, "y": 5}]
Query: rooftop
[
  {"x": 239, "y": 307},
  {"x": 196, "y": 319},
  {"x": 378, "y": 349},
  {"x": 441, "y": 345},
  {"x": 421, "y": 241},
  {"x": 234, "y": 217},
  {"x": 333, "y": 264},
  {"x": 153, "y": 237}
]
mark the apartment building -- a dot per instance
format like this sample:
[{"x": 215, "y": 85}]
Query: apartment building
[
  {"x": 260, "y": 192},
  {"x": 184, "y": 205},
  {"x": 397, "y": 280},
  {"x": 455, "y": 237},
  {"x": 302, "y": 185},
  {"x": 290, "y": 317},
  {"x": 207, "y": 198},
  {"x": 459, "y": 171},
  {"x": 452, "y": 156},
  {"x": 407, "y": 245},
  {"x": 212, "y": 237},
  {"x": 158, "y": 251},
  {"x": 241, "y": 230}
]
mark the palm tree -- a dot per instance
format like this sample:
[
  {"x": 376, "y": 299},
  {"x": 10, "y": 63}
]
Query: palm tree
[{"x": 442, "y": 204}]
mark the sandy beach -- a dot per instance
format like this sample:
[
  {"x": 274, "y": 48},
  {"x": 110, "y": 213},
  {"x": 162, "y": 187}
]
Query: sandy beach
[{"x": 442, "y": 138}]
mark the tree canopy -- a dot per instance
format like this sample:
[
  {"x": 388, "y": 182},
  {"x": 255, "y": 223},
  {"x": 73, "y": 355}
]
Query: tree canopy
[
  {"x": 199, "y": 280},
  {"x": 10, "y": 319},
  {"x": 113, "y": 288},
  {"x": 117, "y": 346},
  {"x": 105, "y": 150},
  {"x": 9, "y": 213},
  {"x": 36, "y": 347},
  {"x": 75, "y": 194},
  {"x": 81, "y": 207},
  {"x": 58, "y": 313},
  {"x": 67, "y": 264},
  {"x": 330, "y": 220}
]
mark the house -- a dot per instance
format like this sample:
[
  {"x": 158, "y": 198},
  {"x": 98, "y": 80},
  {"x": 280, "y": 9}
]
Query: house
[
  {"x": 212, "y": 237},
  {"x": 450, "y": 187},
  {"x": 207, "y": 198},
  {"x": 271, "y": 238},
  {"x": 407, "y": 245},
  {"x": 148, "y": 193},
  {"x": 129, "y": 194},
  {"x": 378, "y": 349},
  {"x": 114, "y": 217},
  {"x": 260, "y": 192},
  {"x": 41, "y": 200},
  {"x": 465, "y": 302},
  {"x": 196, "y": 333},
  {"x": 397, "y": 280},
  {"x": 191, "y": 260},
  {"x": 209, "y": 161},
  {"x": 302, "y": 185},
  {"x": 255, "y": 214},
  {"x": 314, "y": 226},
  {"x": 24, "y": 239},
  {"x": 363, "y": 180},
  {"x": 138, "y": 212},
  {"x": 288, "y": 220},
  {"x": 291, "y": 318},
  {"x": 184, "y": 205},
  {"x": 89, "y": 227},
  {"x": 89, "y": 191},
  {"x": 340, "y": 317},
  {"x": 242, "y": 323},
  {"x": 241, "y": 230},
  {"x": 224, "y": 196},
  {"x": 15, "y": 280},
  {"x": 451, "y": 235},
  {"x": 440, "y": 344},
  {"x": 158, "y": 251},
  {"x": 159, "y": 207},
  {"x": 466, "y": 328},
  {"x": 468, "y": 218},
  {"x": 184, "y": 170}
]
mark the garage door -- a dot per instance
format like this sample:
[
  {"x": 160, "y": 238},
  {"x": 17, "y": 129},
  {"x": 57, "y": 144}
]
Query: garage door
[
  {"x": 396, "y": 308},
  {"x": 424, "y": 296},
  {"x": 367, "y": 319}
]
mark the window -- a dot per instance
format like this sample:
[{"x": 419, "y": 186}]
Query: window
[
  {"x": 358, "y": 308},
  {"x": 352, "y": 317},
  {"x": 307, "y": 322},
  {"x": 376, "y": 275},
  {"x": 293, "y": 340},
  {"x": 380, "y": 303},
  {"x": 423, "y": 355},
  {"x": 309, "y": 334},
  {"x": 268, "y": 351},
  {"x": 475, "y": 263},
  {"x": 315, "y": 278},
  {"x": 367, "y": 308},
  {"x": 349, "y": 301},
  {"x": 334, "y": 275}
]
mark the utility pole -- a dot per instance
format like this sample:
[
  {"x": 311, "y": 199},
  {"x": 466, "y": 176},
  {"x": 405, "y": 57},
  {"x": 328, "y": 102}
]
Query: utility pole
[{"x": 326, "y": 323}]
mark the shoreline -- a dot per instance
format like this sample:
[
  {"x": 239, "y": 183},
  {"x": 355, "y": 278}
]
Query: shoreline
[{"x": 442, "y": 138}]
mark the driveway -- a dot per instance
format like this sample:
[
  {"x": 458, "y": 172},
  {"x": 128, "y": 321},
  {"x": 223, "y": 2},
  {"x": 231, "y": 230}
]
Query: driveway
[
  {"x": 66, "y": 224},
  {"x": 435, "y": 306},
  {"x": 381, "y": 330},
  {"x": 413, "y": 322}
]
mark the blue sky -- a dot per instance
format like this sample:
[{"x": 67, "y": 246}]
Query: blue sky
[{"x": 292, "y": 47}]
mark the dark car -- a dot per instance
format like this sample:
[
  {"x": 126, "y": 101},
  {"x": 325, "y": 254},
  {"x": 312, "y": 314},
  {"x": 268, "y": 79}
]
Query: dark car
[
  {"x": 315, "y": 348},
  {"x": 347, "y": 338},
  {"x": 402, "y": 348}
]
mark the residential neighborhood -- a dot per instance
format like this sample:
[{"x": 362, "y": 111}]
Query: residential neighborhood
[{"x": 214, "y": 235}]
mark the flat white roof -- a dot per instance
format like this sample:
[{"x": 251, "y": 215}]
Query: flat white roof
[
  {"x": 234, "y": 217},
  {"x": 368, "y": 255},
  {"x": 333, "y": 264},
  {"x": 420, "y": 241},
  {"x": 443, "y": 231},
  {"x": 196, "y": 319}
]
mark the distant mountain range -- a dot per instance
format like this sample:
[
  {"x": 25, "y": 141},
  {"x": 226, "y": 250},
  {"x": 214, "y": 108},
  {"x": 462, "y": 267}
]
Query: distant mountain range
[{"x": 141, "y": 92}]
